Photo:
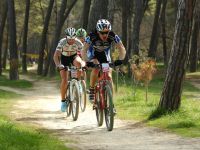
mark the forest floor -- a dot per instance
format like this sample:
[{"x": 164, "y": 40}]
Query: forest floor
[{"x": 40, "y": 106}]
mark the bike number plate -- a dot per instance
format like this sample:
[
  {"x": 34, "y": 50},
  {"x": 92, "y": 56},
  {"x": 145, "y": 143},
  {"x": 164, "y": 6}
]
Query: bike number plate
[
  {"x": 74, "y": 73},
  {"x": 105, "y": 67}
]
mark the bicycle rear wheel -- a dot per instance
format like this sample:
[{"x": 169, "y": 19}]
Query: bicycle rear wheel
[
  {"x": 109, "y": 115},
  {"x": 99, "y": 111},
  {"x": 75, "y": 101},
  {"x": 83, "y": 95}
]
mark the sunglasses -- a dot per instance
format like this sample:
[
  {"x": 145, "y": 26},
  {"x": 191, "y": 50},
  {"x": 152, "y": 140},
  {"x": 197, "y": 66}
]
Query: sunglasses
[{"x": 103, "y": 32}]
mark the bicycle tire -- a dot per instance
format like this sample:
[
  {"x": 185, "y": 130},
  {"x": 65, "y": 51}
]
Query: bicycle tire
[
  {"x": 99, "y": 110},
  {"x": 69, "y": 109},
  {"x": 108, "y": 110},
  {"x": 75, "y": 101},
  {"x": 83, "y": 96}
]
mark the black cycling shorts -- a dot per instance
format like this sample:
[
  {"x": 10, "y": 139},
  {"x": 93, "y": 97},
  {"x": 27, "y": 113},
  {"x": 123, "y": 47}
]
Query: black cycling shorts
[
  {"x": 67, "y": 60},
  {"x": 101, "y": 56}
]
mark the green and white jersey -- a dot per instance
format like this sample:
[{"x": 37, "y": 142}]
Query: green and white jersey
[{"x": 68, "y": 50}]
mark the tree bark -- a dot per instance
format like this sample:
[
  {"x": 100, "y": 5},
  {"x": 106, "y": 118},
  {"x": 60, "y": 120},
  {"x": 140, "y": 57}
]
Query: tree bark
[
  {"x": 2, "y": 25},
  {"x": 99, "y": 10},
  {"x": 194, "y": 39},
  {"x": 24, "y": 49},
  {"x": 124, "y": 22},
  {"x": 171, "y": 94},
  {"x": 129, "y": 32},
  {"x": 13, "y": 74},
  {"x": 111, "y": 10},
  {"x": 5, "y": 54},
  {"x": 140, "y": 6},
  {"x": 163, "y": 31},
  {"x": 86, "y": 11},
  {"x": 155, "y": 31},
  {"x": 44, "y": 36}
]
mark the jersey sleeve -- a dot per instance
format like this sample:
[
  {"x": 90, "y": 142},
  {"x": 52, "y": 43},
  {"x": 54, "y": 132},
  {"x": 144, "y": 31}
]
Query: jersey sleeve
[
  {"x": 114, "y": 37},
  {"x": 80, "y": 45},
  {"x": 60, "y": 45},
  {"x": 88, "y": 40},
  {"x": 117, "y": 39}
]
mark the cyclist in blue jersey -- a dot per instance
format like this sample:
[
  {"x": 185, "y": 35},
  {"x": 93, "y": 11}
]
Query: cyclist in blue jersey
[{"x": 97, "y": 50}]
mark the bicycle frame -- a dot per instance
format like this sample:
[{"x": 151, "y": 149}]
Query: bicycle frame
[{"x": 102, "y": 82}]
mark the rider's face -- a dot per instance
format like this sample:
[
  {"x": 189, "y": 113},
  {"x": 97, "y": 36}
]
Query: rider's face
[
  {"x": 70, "y": 41},
  {"x": 103, "y": 35}
]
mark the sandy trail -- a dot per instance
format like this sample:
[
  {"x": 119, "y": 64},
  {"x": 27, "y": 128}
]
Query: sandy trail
[{"x": 40, "y": 106}]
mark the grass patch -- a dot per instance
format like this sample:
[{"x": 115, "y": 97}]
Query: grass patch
[
  {"x": 16, "y": 137},
  {"x": 19, "y": 137},
  {"x": 4, "y": 81},
  {"x": 185, "y": 121}
]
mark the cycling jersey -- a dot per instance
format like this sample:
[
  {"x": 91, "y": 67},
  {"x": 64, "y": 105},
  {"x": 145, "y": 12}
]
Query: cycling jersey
[
  {"x": 69, "y": 50},
  {"x": 101, "y": 49}
]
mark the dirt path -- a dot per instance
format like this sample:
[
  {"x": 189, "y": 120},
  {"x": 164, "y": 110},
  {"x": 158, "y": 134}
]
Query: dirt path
[{"x": 40, "y": 106}]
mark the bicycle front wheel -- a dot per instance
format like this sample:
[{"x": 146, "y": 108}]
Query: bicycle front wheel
[
  {"x": 75, "y": 101},
  {"x": 69, "y": 109},
  {"x": 99, "y": 110},
  {"x": 109, "y": 115},
  {"x": 83, "y": 95}
]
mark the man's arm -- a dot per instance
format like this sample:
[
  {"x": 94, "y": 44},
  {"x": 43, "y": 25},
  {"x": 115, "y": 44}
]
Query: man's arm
[
  {"x": 56, "y": 57},
  {"x": 122, "y": 50},
  {"x": 84, "y": 51}
]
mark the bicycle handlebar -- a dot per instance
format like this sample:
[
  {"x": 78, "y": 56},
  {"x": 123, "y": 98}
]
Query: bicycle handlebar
[
  {"x": 69, "y": 68},
  {"x": 100, "y": 65}
]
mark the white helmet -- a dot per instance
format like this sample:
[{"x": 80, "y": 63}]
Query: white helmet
[
  {"x": 103, "y": 25},
  {"x": 70, "y": 33}
]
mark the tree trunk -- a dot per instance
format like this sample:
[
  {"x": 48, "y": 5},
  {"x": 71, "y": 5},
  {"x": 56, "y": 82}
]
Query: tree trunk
[
  {"x": 44, "y": 36},
  {"x": 13, "y": 74},
  {"x": 63, "y": 14},
  {"x": 163, "y": 31},
  {"x": 24, "y": 49},
  {"x": 194, "y": 39},
  {"x": 124, "y": 22},
  {"x": 86, "y": 11},
  {"x": 98, "y": 11},
  {"x": 111, "y": 10},
  {"x": 155, "y": 31},
  {"x": 129, "y": 32},
  {"x": 2, "y": 25},
  {"x": 5, "y": 54},
  {"x": 171, "y": 95},
  {"x": 139, "y": 12}
]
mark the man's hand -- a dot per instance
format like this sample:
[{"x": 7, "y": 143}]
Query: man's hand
[{"x": 60, "y": 66}]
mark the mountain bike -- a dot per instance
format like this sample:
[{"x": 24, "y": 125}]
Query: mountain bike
[
  {"x": 73, "y": 93},
  {"x": 103, "y": 101}
]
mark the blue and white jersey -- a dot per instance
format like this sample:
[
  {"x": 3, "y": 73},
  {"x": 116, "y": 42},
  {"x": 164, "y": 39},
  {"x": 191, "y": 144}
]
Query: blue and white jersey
[{"x": 96, "y": 44}]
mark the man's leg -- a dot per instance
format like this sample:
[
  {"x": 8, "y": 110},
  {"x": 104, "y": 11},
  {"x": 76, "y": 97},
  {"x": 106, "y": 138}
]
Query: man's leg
[
  {"x": 78, "y": 62},
  {"x": 63, "y": 89}
]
